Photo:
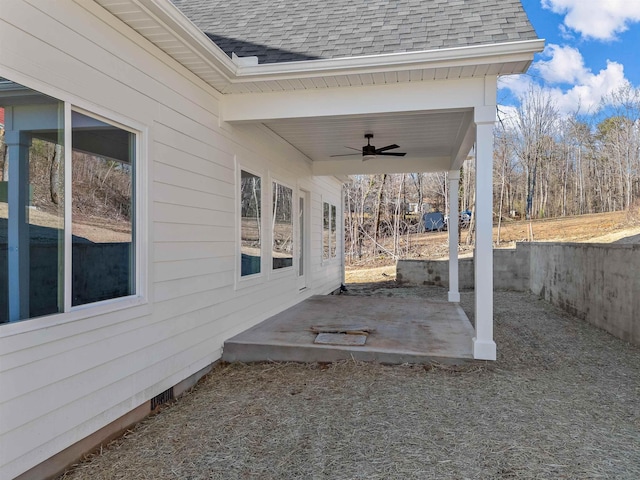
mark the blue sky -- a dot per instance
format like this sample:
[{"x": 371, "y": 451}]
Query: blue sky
[{"x": 592, "y": 48}]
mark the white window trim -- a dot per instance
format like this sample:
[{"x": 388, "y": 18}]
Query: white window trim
[
  {"x": 337, "y": 221},
  {"x": 80, "y": 313},
  {"x": 246, "y": 281},
  {"x": 307, "y": 245},
  {"x": 140, "y": 298},
  {"x": 331, "y": 260},
  {"x": 324, "y": 261},
  {"x": 140, "y": 266},
  {"x": 279, "y": 272}
]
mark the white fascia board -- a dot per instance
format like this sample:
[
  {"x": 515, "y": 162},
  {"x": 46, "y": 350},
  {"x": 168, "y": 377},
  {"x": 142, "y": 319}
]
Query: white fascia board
[
  {"x": 176, "y": 23},
  {"x": 444, "y": 95},
  {"x": 439, "y": 58}
]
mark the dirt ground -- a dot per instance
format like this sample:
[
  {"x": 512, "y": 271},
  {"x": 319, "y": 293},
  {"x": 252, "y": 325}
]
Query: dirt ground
[
  {"x": 602, "y": 227},
  {"x": 562, "y": 401},
  {"x": 598, "y": 228},
  {"x": 94, "y": 230}
]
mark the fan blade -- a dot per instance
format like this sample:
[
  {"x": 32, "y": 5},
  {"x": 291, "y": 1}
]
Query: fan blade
[
  {"x": 393, "y": 154},
  {"x": 388, "y": 147},
  {"x": 348, "y": 154}
]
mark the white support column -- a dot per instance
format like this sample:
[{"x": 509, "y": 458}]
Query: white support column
[
  {"x": 484, "y": 347},
  {"x": 454, "y": 215},
  {"x": 18, "y": 224}
]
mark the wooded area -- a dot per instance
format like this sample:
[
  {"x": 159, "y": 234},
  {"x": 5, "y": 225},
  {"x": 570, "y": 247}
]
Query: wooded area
[
  {"x": 101, "y": 193},
  {"x": 545, "y": 165}
]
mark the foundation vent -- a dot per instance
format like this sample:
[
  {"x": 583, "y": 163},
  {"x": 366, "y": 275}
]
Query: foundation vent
[{"x": 162, "y": 398}]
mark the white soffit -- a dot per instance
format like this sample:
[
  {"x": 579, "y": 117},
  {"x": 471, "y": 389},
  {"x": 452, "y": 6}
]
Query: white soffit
[
  {"x": 161, "y": 23},
  {"x": 420, "y": 135}
]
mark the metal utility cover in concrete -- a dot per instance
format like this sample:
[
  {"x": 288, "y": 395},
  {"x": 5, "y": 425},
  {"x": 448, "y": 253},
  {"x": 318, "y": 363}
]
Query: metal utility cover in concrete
[
  {"x": 346, "y": 339},
  {"x": 355, "y": 329}
]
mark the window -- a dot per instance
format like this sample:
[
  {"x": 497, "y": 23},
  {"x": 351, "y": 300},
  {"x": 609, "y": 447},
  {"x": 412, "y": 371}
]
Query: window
[
  {"x": 301, "y": 235},
  {"x": 329, "y": 231},
  {"x": 334, "y": 235},
  {"x": 250, "y": 228},
  {"x": 282, "y": 251},
  {"x": 67, "y": 212},
  {"x": 102, "y": 218},
  {"x": 326, "y": 221}
]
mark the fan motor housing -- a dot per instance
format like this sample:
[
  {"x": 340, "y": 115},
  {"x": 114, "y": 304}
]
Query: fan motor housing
[{"x": 369, "y": 150}]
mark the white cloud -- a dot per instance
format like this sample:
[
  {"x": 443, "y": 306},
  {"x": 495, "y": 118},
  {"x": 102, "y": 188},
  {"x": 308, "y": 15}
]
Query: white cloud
[
  {"x": 588, "y": 94},
  {"x": 565, "y": 65},
  {"x": 597, "y": 19},
  {"x": 561, "y": 65},
  {"x": 518, "y": 85}
]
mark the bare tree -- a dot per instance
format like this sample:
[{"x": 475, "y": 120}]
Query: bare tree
[
  {"x": 502, "y": 166},
  {"x": 620, "y": 136},
  {"x": 54, "y": 174},
  {"x": 378, "y": 213}
]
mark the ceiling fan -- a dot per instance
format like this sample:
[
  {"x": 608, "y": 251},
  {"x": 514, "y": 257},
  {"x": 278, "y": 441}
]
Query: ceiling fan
[{"x": 370, "y": 151}]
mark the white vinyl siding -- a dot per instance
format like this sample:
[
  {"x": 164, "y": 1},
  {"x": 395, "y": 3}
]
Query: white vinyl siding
[{"x": 85, "y": 369}]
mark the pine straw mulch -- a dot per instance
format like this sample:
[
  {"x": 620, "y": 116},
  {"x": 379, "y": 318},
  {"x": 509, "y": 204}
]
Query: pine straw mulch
[{"x": 562, "y": 401}]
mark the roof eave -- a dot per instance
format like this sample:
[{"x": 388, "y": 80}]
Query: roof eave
[
  {"x": 223, "y": 73},
  {"x": 168, "y": 15},
  {"x": 445, "y": 57}
]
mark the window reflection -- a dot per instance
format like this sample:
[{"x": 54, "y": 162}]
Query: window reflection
[
  {"x": 282, "y": 251},
  {"x": 250, "y": 204},
  {"x": 102, "y": 210}
]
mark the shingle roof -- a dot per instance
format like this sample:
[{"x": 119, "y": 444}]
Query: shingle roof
[{"x": 289, "y": 30}]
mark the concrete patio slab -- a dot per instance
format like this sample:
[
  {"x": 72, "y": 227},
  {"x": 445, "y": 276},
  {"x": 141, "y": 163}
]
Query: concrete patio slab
[{"x": 405, "y": 330}]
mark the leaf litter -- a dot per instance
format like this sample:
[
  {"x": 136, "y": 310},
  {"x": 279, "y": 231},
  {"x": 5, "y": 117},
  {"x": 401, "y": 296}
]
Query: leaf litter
[{"x": 562, "y": 401}]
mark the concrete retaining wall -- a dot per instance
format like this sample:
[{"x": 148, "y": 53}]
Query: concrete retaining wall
[
  {"x": 599, "y": 283},
  {"x": 510, "y": 271}
]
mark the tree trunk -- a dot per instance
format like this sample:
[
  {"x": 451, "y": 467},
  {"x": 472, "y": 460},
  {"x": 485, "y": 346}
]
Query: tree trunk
[
  {"x": 4, "y": 164},
  {"x": 54, "y": 174},
  {"x": 376, "y": 225},
  {"x": 396, "y": 222},
  {"x": 501, "y": 199},
  {"x": 472, "y": 222}
]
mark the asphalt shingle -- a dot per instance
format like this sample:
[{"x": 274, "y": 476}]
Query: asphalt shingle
[{"x": 291, "y": 30}]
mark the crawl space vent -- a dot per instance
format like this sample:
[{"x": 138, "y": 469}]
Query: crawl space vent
[{"x": 162, "y": 398}]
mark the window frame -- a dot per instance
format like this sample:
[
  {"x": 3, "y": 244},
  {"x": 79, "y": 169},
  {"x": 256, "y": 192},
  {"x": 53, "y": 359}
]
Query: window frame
[
  {"x": 68, "y": 192},
  {"x": 138, "y": 300},
  {"x": 256, "y": 278},
  {"x": 303, "y": 235},
  {"x": 294, "y": 210},
  {"x": 331, "y": 258},
  {"x": 333, "y": 231},
  {"x": 325, "y": 206}
]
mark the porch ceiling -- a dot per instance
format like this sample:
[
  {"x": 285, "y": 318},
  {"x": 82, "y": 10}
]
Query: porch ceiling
[
  {"x": 432, "y": 122},
  {"x": 430, "y": 139}
]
